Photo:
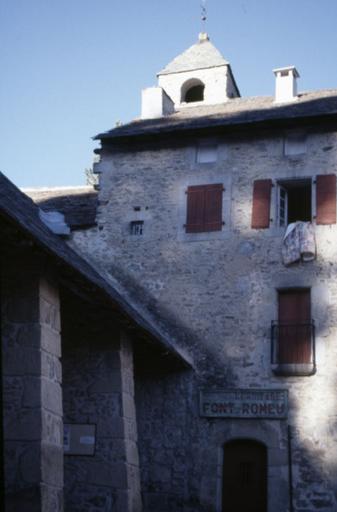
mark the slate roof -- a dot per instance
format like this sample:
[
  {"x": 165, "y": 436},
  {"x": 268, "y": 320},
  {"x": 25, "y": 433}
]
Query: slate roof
[
  {"x": 20, "y": 210},
  {"x": 201, "y": 55},
  {"x": 236, "y": 113},
  {"x": 78, "y": 204}
]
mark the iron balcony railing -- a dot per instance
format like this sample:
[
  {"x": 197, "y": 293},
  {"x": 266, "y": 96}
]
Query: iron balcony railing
[{"x": 293, "y": 344}]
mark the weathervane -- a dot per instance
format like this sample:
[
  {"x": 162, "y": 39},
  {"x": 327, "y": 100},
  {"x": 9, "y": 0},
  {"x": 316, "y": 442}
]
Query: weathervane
[{"x": 203, "y": 15}]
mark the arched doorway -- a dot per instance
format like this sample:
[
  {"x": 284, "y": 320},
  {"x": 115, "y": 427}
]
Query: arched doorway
[{"x": 244, "y": 487}]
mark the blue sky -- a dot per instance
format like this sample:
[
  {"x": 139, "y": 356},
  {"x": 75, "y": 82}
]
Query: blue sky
[{"x": 72, "y": 68}]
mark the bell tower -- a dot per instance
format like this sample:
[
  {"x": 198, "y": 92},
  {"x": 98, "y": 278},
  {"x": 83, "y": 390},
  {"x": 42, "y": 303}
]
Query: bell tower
[{"x": 198, "y": 76}]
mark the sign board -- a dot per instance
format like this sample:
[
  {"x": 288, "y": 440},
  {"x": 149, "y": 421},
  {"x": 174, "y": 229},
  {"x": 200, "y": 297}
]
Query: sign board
[
  {"x": 79, "y": 439},
  {"x": 244, "y": 403}
]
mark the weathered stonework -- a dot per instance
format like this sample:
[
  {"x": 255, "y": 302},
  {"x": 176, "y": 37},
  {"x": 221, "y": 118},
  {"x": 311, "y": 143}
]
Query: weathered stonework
[
  {"x": 32, "y": 377},
  {"x": 217, "y": 296},
  {"x": 98, "y": 390},
  {"x": 49, "y": 297},
  {"x": 163, "y": 291}
]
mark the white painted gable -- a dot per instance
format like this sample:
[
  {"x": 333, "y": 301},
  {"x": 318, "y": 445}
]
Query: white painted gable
[{"x": 200, "y": 64}]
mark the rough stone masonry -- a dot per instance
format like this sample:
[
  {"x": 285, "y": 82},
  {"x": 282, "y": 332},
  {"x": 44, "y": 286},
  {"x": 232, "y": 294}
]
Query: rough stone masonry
[{"x": 217, "y": 293}]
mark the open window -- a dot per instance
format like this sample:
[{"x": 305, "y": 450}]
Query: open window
[
  {"x": 294, "y": 201},
  {"x": 293, "y": 334}
]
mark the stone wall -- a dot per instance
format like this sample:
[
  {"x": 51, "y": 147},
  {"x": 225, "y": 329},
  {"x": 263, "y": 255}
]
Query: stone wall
[
  {"x": 98, "y": 390},
  {"x": 33, "y": 428},
  {"x": 217, "y": 295}
]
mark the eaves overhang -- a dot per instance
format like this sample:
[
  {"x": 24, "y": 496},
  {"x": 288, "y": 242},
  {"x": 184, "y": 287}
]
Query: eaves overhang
[
  {"x": 20, "y": 211},
  {"x": 231, "y": 117}
]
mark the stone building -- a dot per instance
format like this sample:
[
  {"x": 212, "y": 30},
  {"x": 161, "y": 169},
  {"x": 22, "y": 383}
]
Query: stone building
[{"x": 215, "y": 228}]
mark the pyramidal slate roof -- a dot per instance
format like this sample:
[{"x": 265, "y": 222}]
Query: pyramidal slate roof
[{"x": 201, "y": 55}]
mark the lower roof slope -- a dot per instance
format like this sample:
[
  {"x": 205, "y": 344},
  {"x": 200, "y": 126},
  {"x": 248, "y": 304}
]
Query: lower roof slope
[
  {"x": 78, "y": 204},
  {"x": 19, "y": 210}
]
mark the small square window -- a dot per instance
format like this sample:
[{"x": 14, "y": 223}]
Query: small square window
[
  {"x": 295, "y": 144},
  {"x": 207, "y": 153},
  {"x": 136, "y": 227}
]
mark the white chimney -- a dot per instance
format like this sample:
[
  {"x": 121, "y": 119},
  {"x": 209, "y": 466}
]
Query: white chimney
[
  {"x": 286, "y": 84},
  {"x": 156, "y": 103}
]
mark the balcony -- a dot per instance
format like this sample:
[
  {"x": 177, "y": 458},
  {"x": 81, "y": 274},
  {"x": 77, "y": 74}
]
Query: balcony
[{"x": 293, "y": 349}]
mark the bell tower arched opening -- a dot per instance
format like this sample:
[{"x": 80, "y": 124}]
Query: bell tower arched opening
[{"x": 192, "y": 91}]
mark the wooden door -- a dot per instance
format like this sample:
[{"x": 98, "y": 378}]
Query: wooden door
[
  {"x": 294, "y": 327},
  {"x": 244, "y": 477}
]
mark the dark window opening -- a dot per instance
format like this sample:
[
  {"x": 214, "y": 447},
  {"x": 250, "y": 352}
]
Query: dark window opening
[
  {"x": 295, "y": 201},
  {"x": 136, "y": 227},
  {"x": 195, "y": 93}
]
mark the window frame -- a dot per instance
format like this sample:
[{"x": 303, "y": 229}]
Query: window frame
[{"x": 280, "y": 186}]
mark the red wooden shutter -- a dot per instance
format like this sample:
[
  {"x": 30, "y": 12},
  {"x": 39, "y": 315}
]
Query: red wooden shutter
[
  {"x": 204, "y": 208},
  {"x": 213, "y": 207},
  {"x": 261, "y": 204},
  {"x": 326, "y": 199},
  {"x": 195, "y": 209},
  {"x": 294, "y": 327}
]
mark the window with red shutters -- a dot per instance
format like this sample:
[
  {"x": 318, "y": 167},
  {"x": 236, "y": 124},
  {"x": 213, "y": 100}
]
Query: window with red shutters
[
  {"x": 294, "y": 326},
  {"x": 261, "y": 204},
  {"x": 204, "y": 208},
  {"x": 326, "y": 199},
  {"x": 293, "y": 334}
]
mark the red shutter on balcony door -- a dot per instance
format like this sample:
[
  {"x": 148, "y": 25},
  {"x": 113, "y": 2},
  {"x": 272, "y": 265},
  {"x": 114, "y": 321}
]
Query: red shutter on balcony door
[
  {"x": 213, "y": 207},
  {"x": 261, "y": 204},
  {"x": 294, "y": 327},
  {"x": 326, "y": 199}
]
